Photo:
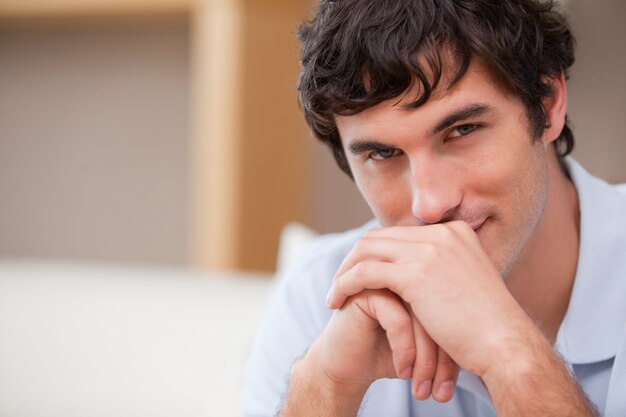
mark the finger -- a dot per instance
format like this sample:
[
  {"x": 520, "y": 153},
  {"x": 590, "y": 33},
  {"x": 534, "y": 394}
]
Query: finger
[
  {"x": 404, "y": 243},
  {"x": 445, "y": 378},
  {"x": 425, "y": 362},
  {"x": 368, "y": 275},
  {"x": 425, "y": 233},
  {"x": 396, "y": 320},
  {"x": 382, "y": 249}
]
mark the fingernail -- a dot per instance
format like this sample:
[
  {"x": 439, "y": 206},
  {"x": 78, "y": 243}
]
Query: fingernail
[
  {"x": 329, "y": 296},
  {"x": 406, "y": 374},
  {"x": 423, "y": 391},
  {"x": 445, "y": 390}
]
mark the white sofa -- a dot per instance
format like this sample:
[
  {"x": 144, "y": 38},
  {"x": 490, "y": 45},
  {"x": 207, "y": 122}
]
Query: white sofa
[{"x": 89, "y": 341}]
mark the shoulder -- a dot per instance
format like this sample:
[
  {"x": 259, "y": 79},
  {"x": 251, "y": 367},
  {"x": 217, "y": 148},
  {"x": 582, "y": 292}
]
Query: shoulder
[
  {"x": 327, "y": 251},
  {"x": 307, "y": 280},
  {"x": 297, "y": 306},
  {"x": 621, "y": 188}
]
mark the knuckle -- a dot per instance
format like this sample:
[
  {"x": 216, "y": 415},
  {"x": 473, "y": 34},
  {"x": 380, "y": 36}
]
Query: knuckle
[
  {"x": 370, "y": 233},
  {"x": 430, "y": 249},
  {"x": 447, "y": 229},
  {"x": 400, "y": 287},
  {"x": 421, "y": 269},
  {"x": 361, "y": 300},
  {"x": 361, "y": 268},
  {"x": 402, "y": 322},
  {"x": 453, "y": 231},
  {"x": 447, "y": 362},
  {"x": 426, "y": 367},
  {"x": 404, "y": 356},
  {"x": 362, "y": 244},
  {"x": 446, "y": 233},
  {"x": 405, "y": 351},
  {"x": 460, "y": 227}
]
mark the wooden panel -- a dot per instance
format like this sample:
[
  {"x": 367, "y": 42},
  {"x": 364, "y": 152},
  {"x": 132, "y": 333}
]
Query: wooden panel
[
  {"x": 74, "y": 8},
  {"x": 216, "y": 134},
  {"x": 275, "y": 164},
  {"x": 249, "y": 135}
]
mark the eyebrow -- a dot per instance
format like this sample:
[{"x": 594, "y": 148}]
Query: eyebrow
[
  {"x": 469, "y": 111},
  {"x": 360, "y": 146},
  {"x": 472, "y": 110}
]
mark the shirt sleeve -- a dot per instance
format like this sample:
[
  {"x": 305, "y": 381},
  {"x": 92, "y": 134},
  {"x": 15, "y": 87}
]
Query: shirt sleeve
[{"x": 295, "y": 317}]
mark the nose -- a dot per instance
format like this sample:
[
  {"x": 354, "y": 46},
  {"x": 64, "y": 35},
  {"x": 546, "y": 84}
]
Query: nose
[{"x": 436, "y": 191}]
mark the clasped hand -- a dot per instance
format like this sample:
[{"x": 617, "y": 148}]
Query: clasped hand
[{"x": 412, "y": 303}]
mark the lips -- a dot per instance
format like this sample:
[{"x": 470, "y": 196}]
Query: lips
[{"x": 477, "y": 226}]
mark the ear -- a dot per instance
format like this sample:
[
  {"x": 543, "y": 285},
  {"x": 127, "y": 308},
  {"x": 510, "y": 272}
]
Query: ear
[{"x": 555, "y": 106}]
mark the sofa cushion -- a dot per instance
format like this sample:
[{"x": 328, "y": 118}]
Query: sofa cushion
[{"x": 81, "y": 340}]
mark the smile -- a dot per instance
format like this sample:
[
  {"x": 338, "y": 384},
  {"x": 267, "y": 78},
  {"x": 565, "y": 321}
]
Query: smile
[{"x": 477, "y": 227}]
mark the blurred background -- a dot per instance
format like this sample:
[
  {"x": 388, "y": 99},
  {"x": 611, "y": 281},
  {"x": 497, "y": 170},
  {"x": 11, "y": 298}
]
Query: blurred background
[{"x": 167, "y": 132}]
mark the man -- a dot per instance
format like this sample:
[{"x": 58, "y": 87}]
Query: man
[{"x": 492, "y": 252}]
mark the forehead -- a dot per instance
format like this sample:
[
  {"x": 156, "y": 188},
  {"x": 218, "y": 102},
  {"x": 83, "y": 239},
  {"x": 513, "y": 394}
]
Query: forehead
[{"x": 477, "y": 86}]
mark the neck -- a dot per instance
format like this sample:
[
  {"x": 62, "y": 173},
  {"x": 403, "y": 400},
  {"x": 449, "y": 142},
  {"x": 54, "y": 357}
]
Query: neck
[{"x": 543, "y": 277}]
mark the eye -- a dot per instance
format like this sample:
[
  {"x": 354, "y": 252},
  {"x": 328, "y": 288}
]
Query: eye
[
  {"x": 463, "y": 130},
  {"x": 383, "y": 154}
]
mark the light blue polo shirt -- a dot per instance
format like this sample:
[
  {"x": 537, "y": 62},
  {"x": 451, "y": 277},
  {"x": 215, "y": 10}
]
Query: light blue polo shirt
[{"x": 591, "y": 339}]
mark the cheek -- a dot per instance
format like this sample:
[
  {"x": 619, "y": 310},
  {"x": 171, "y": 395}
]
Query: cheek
[
  {"x": 500, "y": 179},
  {"x": 389, "y": 200},
  {"x": 501, "y": 171},
  {"x": 516, "y": 189}
]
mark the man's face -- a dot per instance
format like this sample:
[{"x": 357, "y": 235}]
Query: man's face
[{"x": 467, "y": 154}]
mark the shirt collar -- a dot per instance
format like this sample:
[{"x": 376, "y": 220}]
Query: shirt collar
[{"x": 592, "y": 328}]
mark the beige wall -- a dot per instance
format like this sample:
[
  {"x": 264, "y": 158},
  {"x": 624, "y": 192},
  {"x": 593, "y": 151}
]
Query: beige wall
[
  {"x": 93, "y": 140},
  {"x": 598, "y": 86},
  {"x": 336, "y": 204}
]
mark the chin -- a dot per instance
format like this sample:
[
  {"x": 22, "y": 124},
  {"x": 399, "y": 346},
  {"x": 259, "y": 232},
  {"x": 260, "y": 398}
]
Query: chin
[
  {"x": 505, "y": 258},
  {"x": 502, "y": 257}
]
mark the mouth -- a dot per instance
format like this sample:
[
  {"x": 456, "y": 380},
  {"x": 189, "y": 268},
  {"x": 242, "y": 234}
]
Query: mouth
[{"x": 479, "y": 226}]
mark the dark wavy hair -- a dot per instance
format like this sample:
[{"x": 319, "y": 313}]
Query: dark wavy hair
[{"x": 359, "y": 53}]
